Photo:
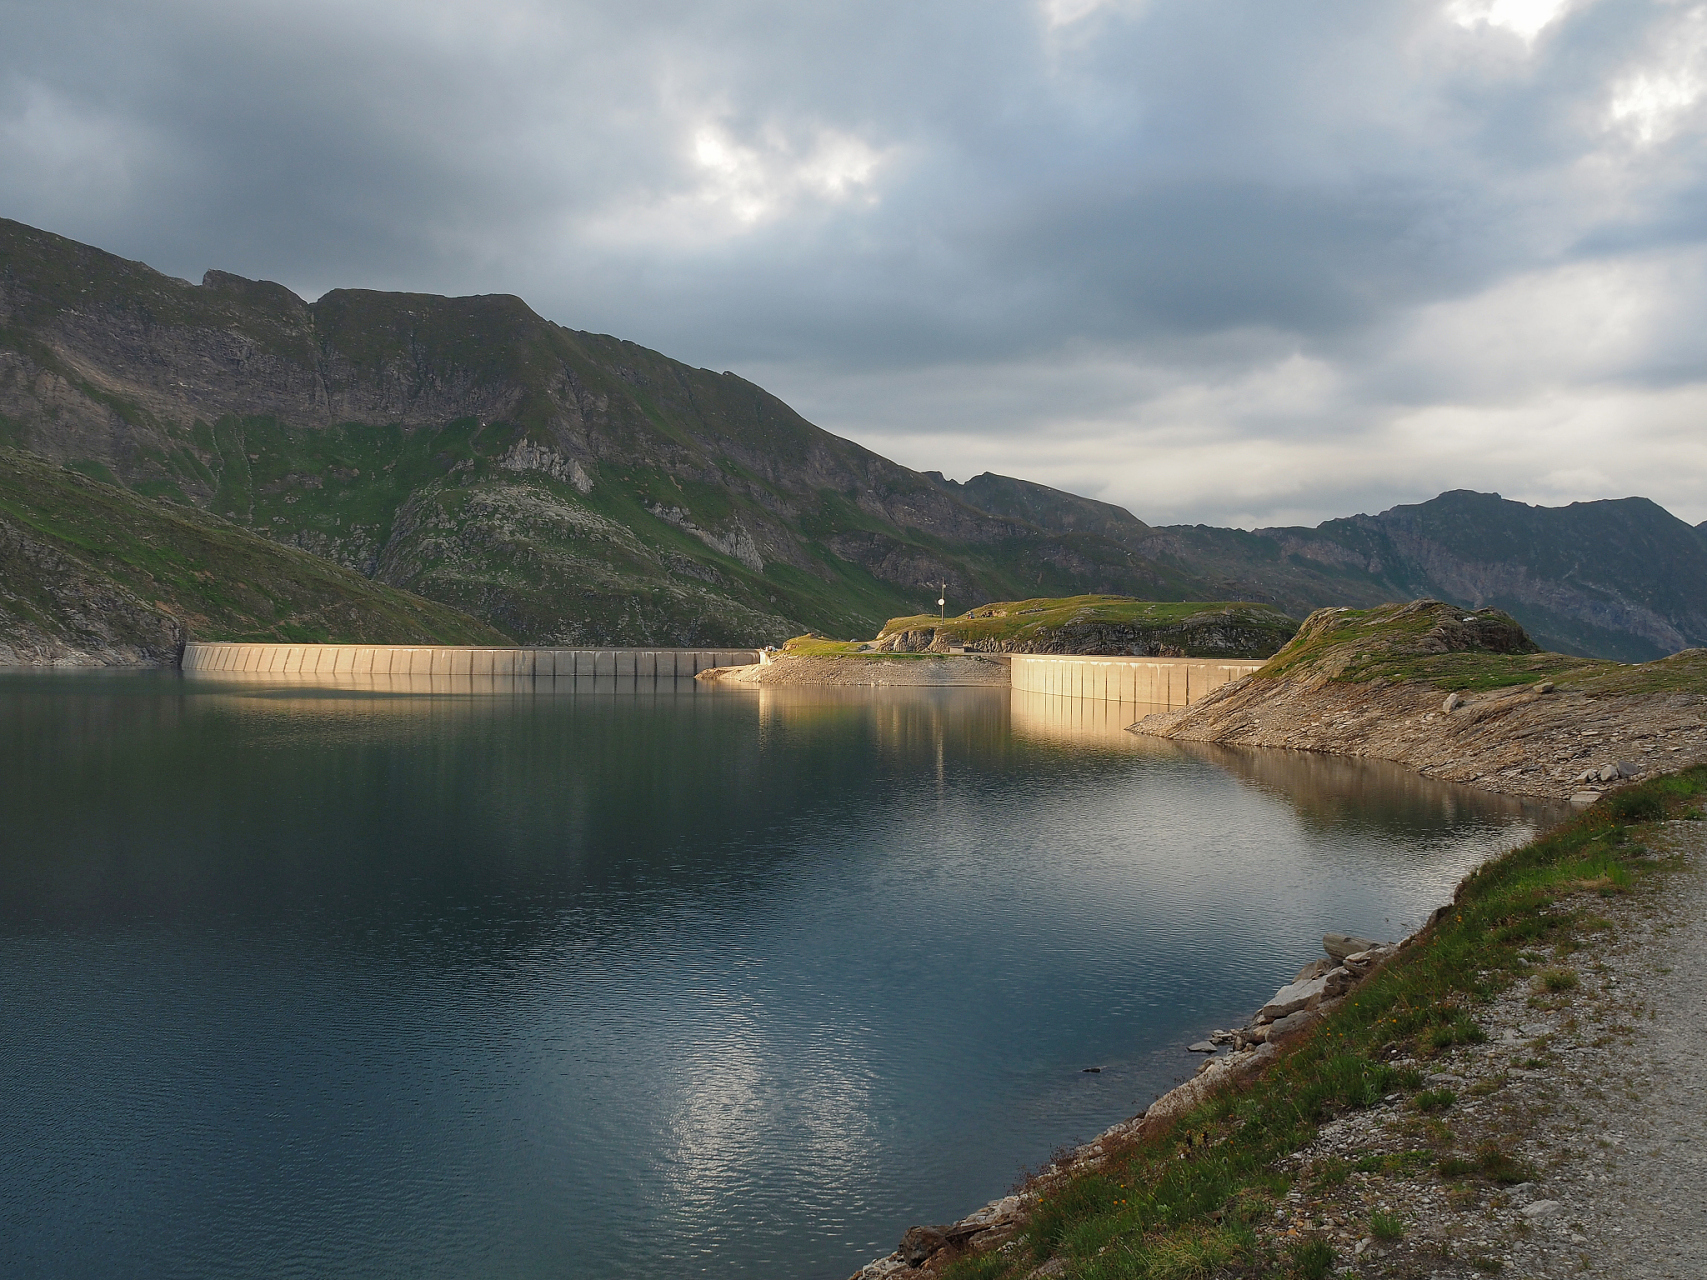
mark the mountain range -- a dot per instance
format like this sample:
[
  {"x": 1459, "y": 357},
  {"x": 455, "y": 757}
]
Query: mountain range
[{"x": 557, "y": 486}]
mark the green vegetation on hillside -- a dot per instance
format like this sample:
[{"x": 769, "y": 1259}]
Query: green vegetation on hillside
[
  {"x": 1453, "y": 649},
  {"x": 1106, "y": 624},
  {"x": 1189, "y": 1201},
  {"x": 69, "y": 542}
]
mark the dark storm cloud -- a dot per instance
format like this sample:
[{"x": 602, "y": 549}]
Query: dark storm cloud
[{"x": 1076, "y": 239}]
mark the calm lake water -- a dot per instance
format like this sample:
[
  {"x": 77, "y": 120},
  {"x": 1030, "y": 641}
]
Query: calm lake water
[{"x": 666, "y": 982}]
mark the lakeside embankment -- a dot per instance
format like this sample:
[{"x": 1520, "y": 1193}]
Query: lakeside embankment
[
  {"x": 1454, "y": 1109},
  {"x": 850, "y": 671},
  {"x": 1462, "y": 698}
]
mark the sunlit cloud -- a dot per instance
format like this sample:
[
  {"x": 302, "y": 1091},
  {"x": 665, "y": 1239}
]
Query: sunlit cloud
[
  {"x": 1525, "y": 19},
  {"x": 1064, "y": 13},
  {"x": 753, "y": 182},
  {"x": 1653, "y": 102}
]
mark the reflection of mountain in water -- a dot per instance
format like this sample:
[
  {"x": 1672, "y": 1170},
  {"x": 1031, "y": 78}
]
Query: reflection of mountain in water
[{"x": 1333, "y": 791}]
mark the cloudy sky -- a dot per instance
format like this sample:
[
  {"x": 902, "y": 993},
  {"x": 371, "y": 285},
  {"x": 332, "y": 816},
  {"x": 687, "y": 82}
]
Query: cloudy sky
[{"x": 1232, "y": 261}]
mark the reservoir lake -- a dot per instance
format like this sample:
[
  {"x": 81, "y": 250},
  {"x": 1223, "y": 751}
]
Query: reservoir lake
[{"x": 582, "y": 980}]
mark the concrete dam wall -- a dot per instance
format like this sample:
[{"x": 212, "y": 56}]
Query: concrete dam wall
[
  {"x": 338, "y": 662},
  {"x": 1167, "y": 682}
]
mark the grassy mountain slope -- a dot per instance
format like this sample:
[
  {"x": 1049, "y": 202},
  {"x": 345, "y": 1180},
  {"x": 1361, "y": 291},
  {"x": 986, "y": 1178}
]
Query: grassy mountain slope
[
  {"x": 91, "y": 572},
  {"x": 573, "y": 487},
  {"x": 566, "y": 486}
]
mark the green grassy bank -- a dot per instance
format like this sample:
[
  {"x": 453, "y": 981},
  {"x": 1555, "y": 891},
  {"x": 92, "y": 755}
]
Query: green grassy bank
[
  {"x": 1187, "y": 1202},
  {"x": 1467, "y": 650}
]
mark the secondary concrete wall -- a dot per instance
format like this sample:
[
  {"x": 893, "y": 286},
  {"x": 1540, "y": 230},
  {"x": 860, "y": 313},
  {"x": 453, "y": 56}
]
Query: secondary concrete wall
[
  {"x": 339, "y": 663},
  {"x": 1167, "y": 682}
]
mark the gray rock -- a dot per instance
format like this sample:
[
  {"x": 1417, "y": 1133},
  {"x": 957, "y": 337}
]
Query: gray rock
[
  {"x": 1315, "y": 969},
  {"x": 1290, "y": 1025},
  {"x": 1541, "y": 1209},
  {"x": 1609, "y": 773},
  {"x": 1452, "y": 703},
  {"x": 1202, "y": 1046},
  {"x": 1584, "y": 797},
  {"x": 1291, "y": 998},
  {"x": 1341, "y": 945},
  {"x": 920, "y": 1242},
  {"x": 1628, "y": 770},
  {"x": 1360, "y": 963}
]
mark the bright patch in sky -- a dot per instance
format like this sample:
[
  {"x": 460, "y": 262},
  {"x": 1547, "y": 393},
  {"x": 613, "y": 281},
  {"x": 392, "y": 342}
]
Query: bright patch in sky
[
  {"x": 1525, "y": 18},
  {"x": 754, "y": 182},
  {"x": 1652, "y": 103},
  {"x": 1062, "y": 13}
]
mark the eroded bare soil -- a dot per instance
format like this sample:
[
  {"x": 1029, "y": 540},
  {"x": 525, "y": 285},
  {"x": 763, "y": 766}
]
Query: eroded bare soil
[{"x": 1516, "y": 741}]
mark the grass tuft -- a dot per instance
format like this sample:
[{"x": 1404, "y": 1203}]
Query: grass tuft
[
  {"x": 1386, "y": 1226},
  {"x": 1312, "y": 1259}
]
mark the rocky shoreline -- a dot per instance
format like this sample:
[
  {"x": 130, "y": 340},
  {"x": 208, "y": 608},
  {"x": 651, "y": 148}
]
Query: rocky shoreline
[
  {"x": 1533, "y": 740},
  {"x": 1232, "y": 1057}
]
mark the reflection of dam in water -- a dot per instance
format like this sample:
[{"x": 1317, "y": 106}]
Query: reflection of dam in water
[{"x": 1047, "y": 717}]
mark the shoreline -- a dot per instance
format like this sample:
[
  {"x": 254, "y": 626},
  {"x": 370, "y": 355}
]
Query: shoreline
[
  {"x": 1527, "y": 741},
  {"x": 1353, "y": 1178}
]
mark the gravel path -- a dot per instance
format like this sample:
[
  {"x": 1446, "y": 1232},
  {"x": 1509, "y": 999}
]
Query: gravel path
[{"x": 1595, "y": 1092}]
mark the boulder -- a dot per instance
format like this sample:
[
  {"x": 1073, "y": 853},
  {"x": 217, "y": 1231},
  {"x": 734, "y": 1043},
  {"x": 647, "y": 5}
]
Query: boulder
[
  {"x": 1202, "y": 1046},
  {"x": 1293, "y": 997},
  {"x": 919, "y": 1243},
  {"x": 1315, "y": 969},
  {"x": 1341, "y": 945},
  {"x": 1290, "y": 1025}
]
